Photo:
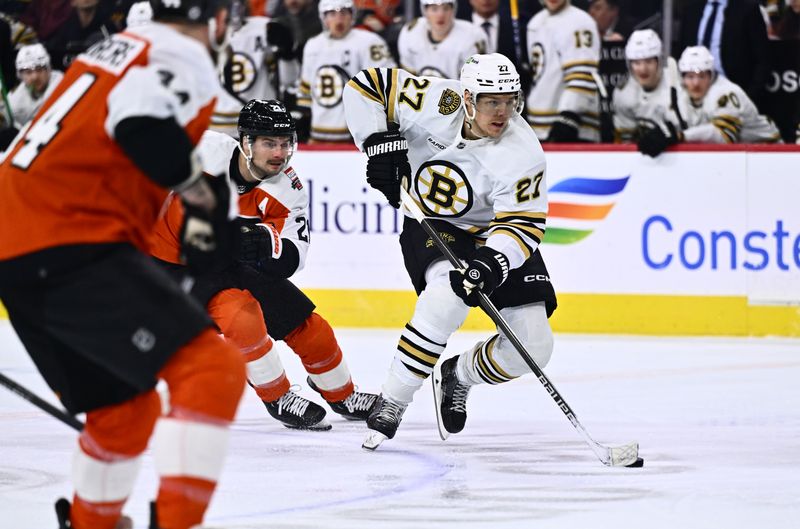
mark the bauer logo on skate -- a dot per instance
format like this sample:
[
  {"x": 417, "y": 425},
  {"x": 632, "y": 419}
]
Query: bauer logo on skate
[{"x": 578, "y": 204}]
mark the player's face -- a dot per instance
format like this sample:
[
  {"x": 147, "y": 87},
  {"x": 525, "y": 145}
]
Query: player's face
[
  {"x": 646, "y": 72},
  {"x": 795, "y": 6},
  {"x": 270, "y": 154},
  {"x": 339, "y": 22},
  {"x": 697, "y": 84},
  {"x": 492, "y": 113},
  {"x": 440, "y": 16},
  {"x": 35, "y": 79},
  {"x": 554, "y": 5}
]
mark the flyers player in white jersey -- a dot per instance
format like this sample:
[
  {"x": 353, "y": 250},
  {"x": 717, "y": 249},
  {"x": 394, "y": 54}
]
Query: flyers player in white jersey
[
  {"x": 438, "y": 44},
  {"x": 564, "y": 50},
  {"x": 251, "y": 295},
  {"x": 650, "y": 95},
  {"x": 100, "y": 319},
  {"x": 259, "y": 64},
  {"x": 478, "y": 170},
  {"x": 329, "y": 60},
  {"x": 713, "y": 110}
]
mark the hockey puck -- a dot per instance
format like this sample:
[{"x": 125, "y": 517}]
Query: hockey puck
[{"x": 636, "y": 464}]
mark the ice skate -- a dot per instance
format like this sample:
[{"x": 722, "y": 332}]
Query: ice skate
[
  {"x": 450, "y": 398},
  {"x": 355, "y": 407},
  {"x": 299, "y": 413},
  {"x": 383, "y": 420},
  {"x": 63, "y": 508}
]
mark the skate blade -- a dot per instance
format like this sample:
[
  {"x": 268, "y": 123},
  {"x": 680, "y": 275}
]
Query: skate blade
[
  {"x": 373, "y": 440},
  {"x": 321, "y": 426},
  {"x": 436, "y": 383}
]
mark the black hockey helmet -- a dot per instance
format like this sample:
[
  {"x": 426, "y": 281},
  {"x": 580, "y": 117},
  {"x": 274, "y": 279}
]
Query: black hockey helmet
[
  {"x": 265, "y": 117},
  {"x": 192, "y": 11}
]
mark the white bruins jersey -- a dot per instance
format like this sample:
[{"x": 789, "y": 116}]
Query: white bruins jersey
[
  {"x": 251, "y": 71},
  {"x": 726, "y": 115},
  {"x": 636, "y": 108},
  {"x": 564, "y": 51},
  {"x": 493, "y": 188},
  {"x": 327, "y": 66},
  {"x": 24, "y": 106},
  {"x": 421, "y": 56},
  {"x": 280, "y": 200}
]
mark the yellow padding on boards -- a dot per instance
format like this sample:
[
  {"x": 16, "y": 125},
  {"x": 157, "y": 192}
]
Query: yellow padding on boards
[
  {"x": 584, "y": 313},
  {"x": 580, "y": 313}
]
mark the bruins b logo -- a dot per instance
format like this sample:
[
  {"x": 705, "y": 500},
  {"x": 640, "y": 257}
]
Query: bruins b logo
[
  {"x": 449, "y": 102},
  {"x": 443, "y": 189}
]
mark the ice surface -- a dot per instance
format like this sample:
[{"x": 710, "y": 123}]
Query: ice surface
[{"x": 718, "y": 421}]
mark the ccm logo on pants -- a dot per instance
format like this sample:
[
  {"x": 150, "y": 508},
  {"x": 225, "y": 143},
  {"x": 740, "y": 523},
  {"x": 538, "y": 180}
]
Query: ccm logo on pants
[{"x": 535, "y": 277}]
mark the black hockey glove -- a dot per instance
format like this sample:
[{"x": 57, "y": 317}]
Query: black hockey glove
[
  {"x": 486, "y": 271},
  {"x": 654, "y": 141},
  {"x": 387, "y": 164},
  {"x": 208, "y": 238},
  {"x": 258, "y": 243},
  {"x": 280, "y": 37},
  {"x": 565, "y": 128}
]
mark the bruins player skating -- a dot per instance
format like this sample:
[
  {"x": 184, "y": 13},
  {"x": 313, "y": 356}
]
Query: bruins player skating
[{"x": 478, "y": 169}]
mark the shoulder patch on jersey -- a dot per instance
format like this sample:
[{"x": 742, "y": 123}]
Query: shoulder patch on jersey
[
  {"x": 411, "y": 24},
  {"x": 449, "y": 102},
  {"x": 722, "y": 101},
  {"x": 296, "y": 183}
]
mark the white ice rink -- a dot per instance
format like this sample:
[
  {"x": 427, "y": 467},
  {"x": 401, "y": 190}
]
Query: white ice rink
[{"x": 718, "y": 421}]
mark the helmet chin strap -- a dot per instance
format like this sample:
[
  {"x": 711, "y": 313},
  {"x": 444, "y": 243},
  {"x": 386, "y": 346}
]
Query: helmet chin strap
[{"x": 249, "y": 158}]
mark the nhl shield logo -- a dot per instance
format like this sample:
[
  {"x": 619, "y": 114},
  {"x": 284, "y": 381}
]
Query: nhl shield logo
[{"x": 449, "y": 102}]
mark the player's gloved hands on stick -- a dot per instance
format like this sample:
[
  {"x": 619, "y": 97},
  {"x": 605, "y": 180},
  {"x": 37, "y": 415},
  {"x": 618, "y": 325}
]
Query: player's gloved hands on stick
[
  {"x": 387, "y": 164},
  {"x": 486, "y": 271},
  {"x": 258, "y": 243},
  {"x": 565, "y": 128},
  {"x": 654, "y": 141},
  {"x": 207, "y": 235}
]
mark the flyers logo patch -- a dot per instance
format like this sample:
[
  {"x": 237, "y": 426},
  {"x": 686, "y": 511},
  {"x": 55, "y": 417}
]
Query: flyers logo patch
[{"x": 449, "y": 102}]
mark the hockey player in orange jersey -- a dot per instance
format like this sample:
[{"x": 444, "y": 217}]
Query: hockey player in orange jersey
[
  {"x": 254, "y": 288},
  {"x": 101, "y": 321}
]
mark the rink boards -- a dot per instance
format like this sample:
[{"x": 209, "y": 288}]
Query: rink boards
[{"x": 697, "y": 242}]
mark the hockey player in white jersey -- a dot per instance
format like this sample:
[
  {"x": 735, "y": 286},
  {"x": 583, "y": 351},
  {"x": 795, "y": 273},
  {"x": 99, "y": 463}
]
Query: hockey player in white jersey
[
  {"x": 438, "y": 44},
  {"x": 259, "y": 64},
  {"x": 715, "y": 110},
  {"x": 564, "y": 50},
  {"x": 650, "y": 95},
  {"x": 39, "y": 80},
  {"x": 329, "y": 60},
  {"x": 478, "y": 170}
]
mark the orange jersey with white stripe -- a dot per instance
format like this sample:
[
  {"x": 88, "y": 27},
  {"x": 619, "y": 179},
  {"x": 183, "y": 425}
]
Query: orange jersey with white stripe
[
  {"x": 65, "y": 180},
  {"x": 279, "y": 200}
]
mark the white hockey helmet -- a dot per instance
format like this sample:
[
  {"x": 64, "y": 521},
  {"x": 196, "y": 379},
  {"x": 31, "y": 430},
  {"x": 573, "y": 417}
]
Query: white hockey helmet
[
  {"x": 490, "y": 73},
  {"x": 696, "y": 59},
  {"x": 334, "y": 5},
  {"x": 425, "y": 3},
  {"x": 643, "y": 44},
  {"x": 139, "y": 14},
  {"x": 31, "y": 57}
]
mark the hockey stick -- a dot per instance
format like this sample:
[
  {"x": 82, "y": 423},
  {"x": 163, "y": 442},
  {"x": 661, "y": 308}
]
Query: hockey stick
[
  {"x": 606, "y": 116},
  {"x": 4, "y": 91},
  {"x": 610, "y": 456},
  {"x": 522, "y": 59},
  {"x": 517, "y": 35},
  {"x": 40, "y": 403}
]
